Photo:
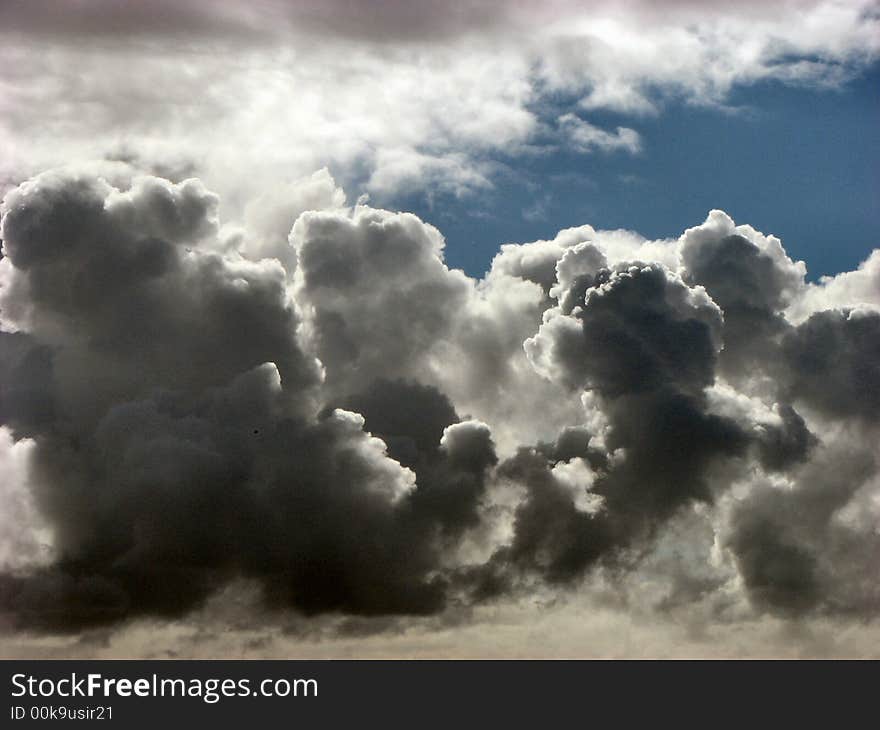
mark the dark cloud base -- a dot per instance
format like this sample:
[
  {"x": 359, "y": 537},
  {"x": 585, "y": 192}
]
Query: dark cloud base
[{"x": 326, "y": 428}]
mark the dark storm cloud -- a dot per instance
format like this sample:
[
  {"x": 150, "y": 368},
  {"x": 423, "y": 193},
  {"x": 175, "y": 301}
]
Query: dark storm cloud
[
  {"x": 409, "y": 417},
  {"x": 25, "y": 383},
  {"x": 450, "y": 458},
  {"x": 752, "y": 287},
  {"x": 169, "y": 499},
  {"x": 833, "y": 362},
  {"x": 785, "y": 444},
  {"x": 795, "y": 554},
  {"x": 99, "y": 273},
  {"x": 636, "y": 330},
  {"x": 552, "y": 536},
  {"x": 171, "y": 405},
  {"x": 326, "y": 423},
  {"x": 645, "y": 343}
]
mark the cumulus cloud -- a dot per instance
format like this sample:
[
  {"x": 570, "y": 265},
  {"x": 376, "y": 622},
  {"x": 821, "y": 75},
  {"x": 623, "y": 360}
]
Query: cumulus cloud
[
  {"x": 174, "y": 416},
  {"x": 752, "y": 280},
  {"x": 849, "y": 289},
  {"x": 335, "y": 423},
  {"x": 833, "y": 362}
]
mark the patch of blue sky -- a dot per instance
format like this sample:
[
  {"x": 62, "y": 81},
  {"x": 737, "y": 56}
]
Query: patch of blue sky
[{"x": 801, "y": 163}]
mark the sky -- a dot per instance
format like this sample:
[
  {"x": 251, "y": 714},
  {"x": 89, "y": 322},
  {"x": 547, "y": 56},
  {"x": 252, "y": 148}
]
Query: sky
[
  {"x": 439, "y": 329},
  {"x": 801, "y": 163}
]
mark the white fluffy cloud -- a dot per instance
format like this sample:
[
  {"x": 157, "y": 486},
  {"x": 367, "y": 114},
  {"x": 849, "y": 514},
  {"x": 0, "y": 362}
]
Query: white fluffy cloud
[
  {"x": 398, "y": 96},
  {"x": 585, "y": 137}
]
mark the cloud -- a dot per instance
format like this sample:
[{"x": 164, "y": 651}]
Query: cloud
[
  {"x": 832, "y": 362},
  {"x": 645, "y": 345},
  {"x": 177, "y": 406},
  {"x": 585, "y": 137},
  {"x": 752, "y": 280},
  {"x": 24, "y": 540},
  {"x": 341, "y": 427},
  {"x": 402, "y": 95},
  {"x": 849, "y": 289},
  {"x": 794, "y": 553}
]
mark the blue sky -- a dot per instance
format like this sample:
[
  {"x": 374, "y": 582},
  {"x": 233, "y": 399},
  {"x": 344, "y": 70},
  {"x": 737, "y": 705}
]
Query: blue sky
[{"x": 799, "y": 162}]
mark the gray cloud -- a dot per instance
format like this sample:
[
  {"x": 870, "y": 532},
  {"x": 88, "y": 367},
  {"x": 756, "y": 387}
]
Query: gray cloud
[
  {"x": 833, "y": 362},
  {"x": 350, "y": 428},
  {"x": 751, "y": 281},
  {"x": 174, "y": 416},
  {"x": 638, "y": 329},
  {"x": 795, "y": 553},
  {"x": 645, "y": 344}
]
